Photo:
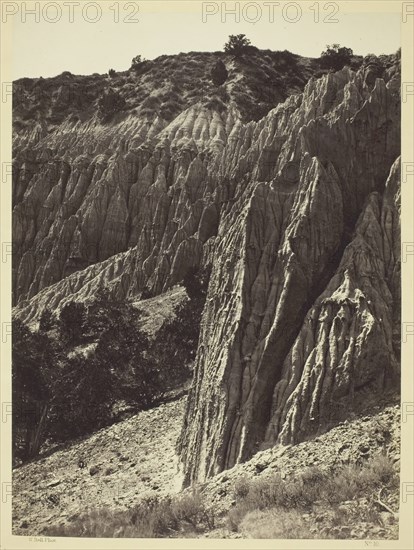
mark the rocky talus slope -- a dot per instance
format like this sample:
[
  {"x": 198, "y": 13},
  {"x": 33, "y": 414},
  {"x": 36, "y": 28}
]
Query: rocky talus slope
[
  {"x": 123, "y": 463},
  {"x": 135, "y": 460},
  {"x": 297, "y": 213}
]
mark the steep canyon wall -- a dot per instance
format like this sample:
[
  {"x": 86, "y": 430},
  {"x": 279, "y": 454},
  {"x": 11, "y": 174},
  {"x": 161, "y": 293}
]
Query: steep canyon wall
[{"x": 298, "y": 215}]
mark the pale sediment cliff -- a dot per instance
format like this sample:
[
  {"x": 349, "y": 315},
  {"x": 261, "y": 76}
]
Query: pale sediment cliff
[
  {"x": 302, "y": 315},
  {"x": 298, "y": 215}
]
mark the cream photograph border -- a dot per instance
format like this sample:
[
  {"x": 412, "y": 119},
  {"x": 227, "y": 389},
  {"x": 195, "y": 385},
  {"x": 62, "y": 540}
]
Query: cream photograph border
[{"x": 406, "y": 539}]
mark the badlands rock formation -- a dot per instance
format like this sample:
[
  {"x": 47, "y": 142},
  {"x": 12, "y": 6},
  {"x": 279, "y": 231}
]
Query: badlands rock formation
[
  {"x": 302, "y": 314},
  {"x": 297, "y": 213},
  {"x": 147, "y": 186}
]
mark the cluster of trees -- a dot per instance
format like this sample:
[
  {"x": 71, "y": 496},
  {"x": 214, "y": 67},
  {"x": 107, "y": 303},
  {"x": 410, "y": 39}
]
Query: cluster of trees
[
  {"x": 335, "y": 57},
  {"x": 136, "y": 61},
  {"x": 32, "y": 358},
  {"x": 219, "y": 73},
  {"x": 139, "y": 65},
  {"x": 110, "y": 103},
  {"x": 238, "y": 44},
  {"x": 68, "y": 375}
]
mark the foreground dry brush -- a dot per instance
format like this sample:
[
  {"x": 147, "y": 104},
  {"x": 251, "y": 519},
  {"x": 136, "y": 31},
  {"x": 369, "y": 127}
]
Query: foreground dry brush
[{"x": 265, "y": 508}]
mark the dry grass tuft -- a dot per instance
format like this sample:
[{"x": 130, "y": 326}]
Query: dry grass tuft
[
  {"x": 271, "y": 507},
  {"x": 275, "y": 525},
  {"x": 265, "y": 508},
  {"x": 152, "y": 518}
]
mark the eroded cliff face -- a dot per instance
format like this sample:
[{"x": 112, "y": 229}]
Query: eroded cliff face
[
  {"x": 298, "y": 215},
  {"x": 145, "y": 183},
  {"x": 302, "y": 313}
]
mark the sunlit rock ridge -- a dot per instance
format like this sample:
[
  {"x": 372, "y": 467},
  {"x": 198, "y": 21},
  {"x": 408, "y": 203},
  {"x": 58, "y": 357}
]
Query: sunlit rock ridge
[{"x": 297, "y": 212}]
